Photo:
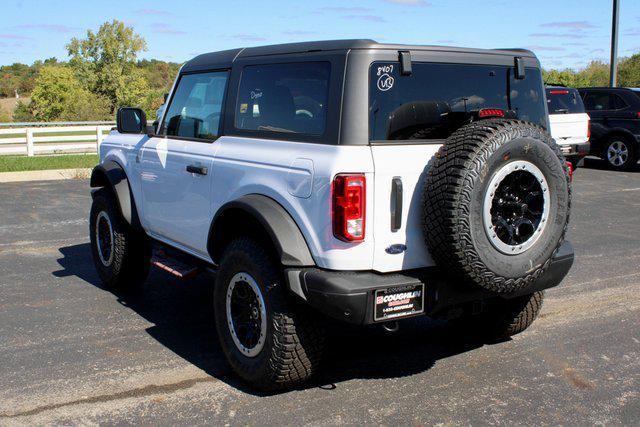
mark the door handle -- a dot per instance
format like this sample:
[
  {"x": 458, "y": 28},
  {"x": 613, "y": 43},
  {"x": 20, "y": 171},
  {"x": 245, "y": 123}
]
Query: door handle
[{"x": 200, "y": 170}]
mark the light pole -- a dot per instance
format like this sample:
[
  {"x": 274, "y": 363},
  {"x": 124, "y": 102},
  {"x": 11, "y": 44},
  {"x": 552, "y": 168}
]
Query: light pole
[{"x": 613, "y": 73}]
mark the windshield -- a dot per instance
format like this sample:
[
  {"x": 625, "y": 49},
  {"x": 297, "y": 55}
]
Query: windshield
[
  {"x": 564, "y": 101},
  {"x": 436, "y": 99}
]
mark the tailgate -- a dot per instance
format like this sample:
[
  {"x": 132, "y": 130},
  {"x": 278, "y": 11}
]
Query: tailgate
[
  {"x": 408, "y": 165},
  {"x": 569, "y": 128}
]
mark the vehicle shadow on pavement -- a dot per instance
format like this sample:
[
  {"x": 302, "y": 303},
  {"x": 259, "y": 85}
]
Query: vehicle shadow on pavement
[
  {"x": 599, "y": 164},
  {"x": 182, "y": 315}
]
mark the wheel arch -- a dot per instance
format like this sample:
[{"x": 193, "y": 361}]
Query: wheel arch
[
  {"x": 112, "y": 175},
  {"x": 620, "y": 132},
  {"x": 260, "y": 216}
]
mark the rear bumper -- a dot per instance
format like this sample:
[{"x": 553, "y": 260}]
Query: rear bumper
[
  {"x": 575, "y": 152},
  {"x": 349, "y": 296}
]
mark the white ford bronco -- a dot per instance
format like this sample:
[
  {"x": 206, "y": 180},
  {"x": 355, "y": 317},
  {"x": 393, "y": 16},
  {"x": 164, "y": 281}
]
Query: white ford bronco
[{"x": 346, "y": 180}]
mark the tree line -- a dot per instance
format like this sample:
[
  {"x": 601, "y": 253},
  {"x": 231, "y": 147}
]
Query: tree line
[
  {"x": 104, "y": 73},
  {"x": 597, "y": 74}
]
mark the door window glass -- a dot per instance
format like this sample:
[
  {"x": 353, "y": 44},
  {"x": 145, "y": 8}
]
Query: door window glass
[{"x": 196, "y": 106}]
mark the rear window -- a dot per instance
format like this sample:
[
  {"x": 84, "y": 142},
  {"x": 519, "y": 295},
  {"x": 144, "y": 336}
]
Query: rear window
[
  {"x": 436, "y": 99},
  {"x": 284, "y": 98},
  {"x": 564, "y": 101}
]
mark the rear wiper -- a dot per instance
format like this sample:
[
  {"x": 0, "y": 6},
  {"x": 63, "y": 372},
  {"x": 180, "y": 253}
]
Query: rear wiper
[
  {"x": 562, "y": 111},
  {"x": 275, "y": 129}
]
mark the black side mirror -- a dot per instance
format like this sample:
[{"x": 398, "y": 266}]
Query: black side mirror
[{"x": 131, "y": 120}]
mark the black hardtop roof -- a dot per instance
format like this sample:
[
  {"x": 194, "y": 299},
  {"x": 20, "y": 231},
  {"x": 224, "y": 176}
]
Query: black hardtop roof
[{"x": 225, "y": 58}]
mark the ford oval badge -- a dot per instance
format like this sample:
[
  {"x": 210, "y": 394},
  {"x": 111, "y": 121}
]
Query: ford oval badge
[{"x": 396, "y": 249}]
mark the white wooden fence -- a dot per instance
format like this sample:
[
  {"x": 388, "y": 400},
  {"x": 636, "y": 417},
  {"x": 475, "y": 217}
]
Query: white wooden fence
[{"x": 52, "y": 138}]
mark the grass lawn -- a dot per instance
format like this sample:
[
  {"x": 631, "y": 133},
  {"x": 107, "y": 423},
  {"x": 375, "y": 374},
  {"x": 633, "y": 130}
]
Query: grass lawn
[{"x": 67, "y": 161}]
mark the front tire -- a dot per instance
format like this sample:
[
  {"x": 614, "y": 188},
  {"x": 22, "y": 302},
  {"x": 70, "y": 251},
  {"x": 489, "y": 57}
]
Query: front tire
[
  {"x": 267, "y": 339},
  {"x": 121, "y": 255}
]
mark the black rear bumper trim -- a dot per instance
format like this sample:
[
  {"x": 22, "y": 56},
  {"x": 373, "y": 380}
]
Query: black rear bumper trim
[{"x": 349, "y": 295}]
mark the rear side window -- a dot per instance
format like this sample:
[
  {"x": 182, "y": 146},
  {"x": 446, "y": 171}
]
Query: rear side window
[
  {"x": 596, "y": 101},
  {"x": 436, "y": 99},
  {"x": 564, "y": 101},
  {"x": 284, "y": 98},
  {"x": 619, "y": 103},
  {"x": 194, "y": 111}
]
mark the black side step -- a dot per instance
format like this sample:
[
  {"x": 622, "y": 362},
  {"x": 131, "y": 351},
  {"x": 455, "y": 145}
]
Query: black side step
[{"x": 174, "y": 263}]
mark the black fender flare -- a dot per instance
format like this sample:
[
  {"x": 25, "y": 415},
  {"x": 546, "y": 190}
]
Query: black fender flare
[
  {"x": 281, "y": 229},
  {"x": 111, "y": 175}
]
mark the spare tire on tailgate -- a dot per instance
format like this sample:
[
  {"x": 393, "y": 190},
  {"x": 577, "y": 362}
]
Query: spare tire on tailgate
[{"x": 496, "y": 204}]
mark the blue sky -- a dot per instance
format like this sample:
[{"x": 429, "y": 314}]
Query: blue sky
[{"x": 563, "y": 33}]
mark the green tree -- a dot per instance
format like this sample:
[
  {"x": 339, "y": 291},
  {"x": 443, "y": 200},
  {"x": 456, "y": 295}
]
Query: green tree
[
  {"x": 59, "y": 95},
  {"x": 22, "y": 113},
  {"x": 4, "y": 116},
  {"x": 595, "y": 74},
  {"x": 105, "y": 63},
  {"x": 629, "y": 72}
]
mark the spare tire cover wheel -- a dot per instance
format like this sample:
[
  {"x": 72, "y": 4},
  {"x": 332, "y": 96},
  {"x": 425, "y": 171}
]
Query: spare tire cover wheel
[{"x": 497, "y": 203}]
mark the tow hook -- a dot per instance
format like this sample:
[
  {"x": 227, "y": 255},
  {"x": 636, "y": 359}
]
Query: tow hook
[{"x": 391, "y": 327}]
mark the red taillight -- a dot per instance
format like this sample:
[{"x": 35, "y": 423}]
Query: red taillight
[
  {"x": 490, "y": 112},
  {"x": 348, "y": 207},
  {"x": 559, "y": 92},
  {"x": 589, "y": 129},
  {"x": 638, "y": 114},
  {"x": 570, "y": 167}
]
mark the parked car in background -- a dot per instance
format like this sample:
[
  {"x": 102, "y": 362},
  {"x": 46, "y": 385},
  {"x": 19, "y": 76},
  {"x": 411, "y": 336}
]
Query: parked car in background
[
  {"x": 615, "y": 124},
  {"x": 569, "y": 124}
]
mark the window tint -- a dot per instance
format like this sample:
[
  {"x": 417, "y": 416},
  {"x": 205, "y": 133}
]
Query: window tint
[
  {"x": 619, "y": 103},
  {"x": 289, "y": 98},
  {"x": 598, "y": 101},
  {"x": 195, "y": 108},
  {"x": 564, "y": 101},
  {"x": 436, "y": 99}
]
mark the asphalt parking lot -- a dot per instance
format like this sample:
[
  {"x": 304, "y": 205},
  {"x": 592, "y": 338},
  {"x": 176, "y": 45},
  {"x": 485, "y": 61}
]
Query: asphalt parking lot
[{"x": 72, "y": 352}]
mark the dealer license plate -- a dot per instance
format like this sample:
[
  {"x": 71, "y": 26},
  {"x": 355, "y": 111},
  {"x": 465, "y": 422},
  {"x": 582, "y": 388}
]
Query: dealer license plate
[{"x": 399, "y": 301}]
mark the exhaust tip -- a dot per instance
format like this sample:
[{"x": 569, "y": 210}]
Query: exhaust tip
[{"x": 391, "y": 327}]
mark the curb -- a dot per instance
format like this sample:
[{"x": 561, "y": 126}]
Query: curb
[{"x": 45, "y": 175}]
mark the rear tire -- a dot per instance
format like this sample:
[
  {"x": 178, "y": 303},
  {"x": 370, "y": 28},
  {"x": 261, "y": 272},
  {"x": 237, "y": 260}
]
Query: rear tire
[
  {"x": 504, "y": 317},
  {"x": 121, "y": 255},
  {"x": 267, "y": 338},
  {"x": 620, "y": 153}
]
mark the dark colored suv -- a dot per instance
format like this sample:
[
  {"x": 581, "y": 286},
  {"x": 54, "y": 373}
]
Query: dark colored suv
[{"x": 615, "y": 124}]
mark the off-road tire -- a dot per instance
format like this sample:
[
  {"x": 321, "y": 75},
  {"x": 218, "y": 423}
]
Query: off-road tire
[
  {"x": 504, "y": 317},
  {"x": 294, "y": 338},
  {"x": 453, "y": 211},
  {"x": 130, "y": 262},
  {"x": 632, "y": 159}
]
